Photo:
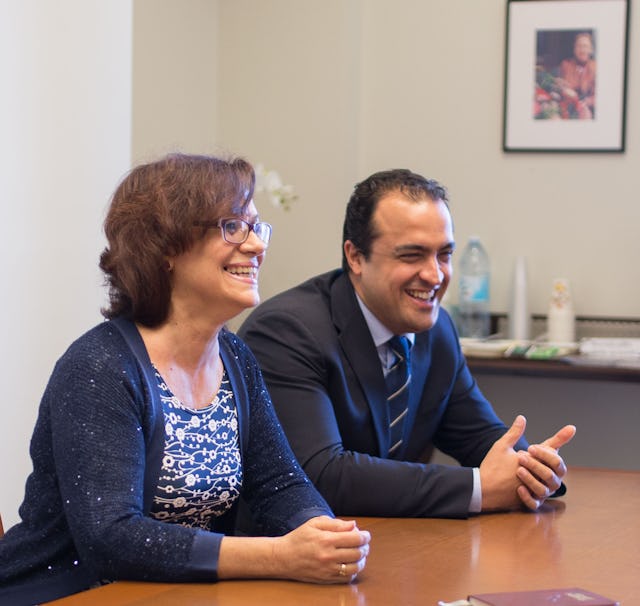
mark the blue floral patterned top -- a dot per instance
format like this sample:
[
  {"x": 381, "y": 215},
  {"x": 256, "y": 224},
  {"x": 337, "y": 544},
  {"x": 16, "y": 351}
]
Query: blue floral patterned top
[{"x": 201, "y": 474}]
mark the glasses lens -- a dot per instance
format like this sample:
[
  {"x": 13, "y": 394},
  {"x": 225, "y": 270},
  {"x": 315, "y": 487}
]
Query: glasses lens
[
  {"x": 236, "y": 231},
  {"x": 263, "y": 231}
]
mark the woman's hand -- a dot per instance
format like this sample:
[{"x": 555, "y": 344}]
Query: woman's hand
[{"x": 323, "y": 550}]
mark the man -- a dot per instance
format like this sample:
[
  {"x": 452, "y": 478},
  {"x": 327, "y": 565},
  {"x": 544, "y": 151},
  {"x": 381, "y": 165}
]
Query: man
[{"x": 322, "y": 348}]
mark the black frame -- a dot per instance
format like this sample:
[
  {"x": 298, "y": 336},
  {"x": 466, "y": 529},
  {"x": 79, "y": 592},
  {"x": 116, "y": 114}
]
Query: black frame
[{"x": 528, "y": 24}]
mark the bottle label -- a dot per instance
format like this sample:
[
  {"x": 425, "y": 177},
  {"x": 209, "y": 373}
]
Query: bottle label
[{"x": 474, "y": 288}]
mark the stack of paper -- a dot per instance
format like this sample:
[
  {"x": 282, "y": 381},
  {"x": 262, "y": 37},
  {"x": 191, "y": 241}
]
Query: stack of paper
[
  {"x": 610, "y": 351},
  {"x": 610, "y": 347}
]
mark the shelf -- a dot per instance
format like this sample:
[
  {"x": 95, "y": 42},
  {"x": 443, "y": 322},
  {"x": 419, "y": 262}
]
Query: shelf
[{"x": 575, "y": 368}]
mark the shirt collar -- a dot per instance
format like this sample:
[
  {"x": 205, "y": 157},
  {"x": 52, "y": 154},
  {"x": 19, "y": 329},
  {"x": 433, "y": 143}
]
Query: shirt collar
[{"x": 380, "y": 333}]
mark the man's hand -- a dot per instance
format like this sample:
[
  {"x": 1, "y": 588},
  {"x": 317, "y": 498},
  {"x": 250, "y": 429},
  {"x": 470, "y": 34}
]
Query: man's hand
[
  {"x": 498, "y": 471},
  {"x": 542, "y": 469},
  {"x": 511, "y": 479}
]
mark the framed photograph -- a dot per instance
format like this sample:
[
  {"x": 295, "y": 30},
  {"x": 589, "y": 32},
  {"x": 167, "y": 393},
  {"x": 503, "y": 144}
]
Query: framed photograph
[{"x": 565, "y": 75}]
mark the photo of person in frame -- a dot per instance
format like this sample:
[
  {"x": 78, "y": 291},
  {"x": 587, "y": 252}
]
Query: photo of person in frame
[{"x": 565, "y": 75}]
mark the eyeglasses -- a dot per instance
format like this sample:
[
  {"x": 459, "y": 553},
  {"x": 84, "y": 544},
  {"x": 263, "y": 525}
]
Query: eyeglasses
[{"x": 236, "y": 231}]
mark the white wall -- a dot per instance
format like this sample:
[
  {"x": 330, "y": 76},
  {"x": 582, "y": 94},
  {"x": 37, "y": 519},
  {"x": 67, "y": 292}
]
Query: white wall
[
  {"x": 174, "y": 77},
  {"x": 329, "y": 91},
  {"x": 65, "y": 119}
]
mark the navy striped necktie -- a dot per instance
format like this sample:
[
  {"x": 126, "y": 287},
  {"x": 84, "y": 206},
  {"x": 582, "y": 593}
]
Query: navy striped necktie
[{"x": 398, "y": 378}]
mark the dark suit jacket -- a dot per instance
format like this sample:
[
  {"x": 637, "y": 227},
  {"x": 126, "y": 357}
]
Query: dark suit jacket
[{"x": 325, "y": 378}]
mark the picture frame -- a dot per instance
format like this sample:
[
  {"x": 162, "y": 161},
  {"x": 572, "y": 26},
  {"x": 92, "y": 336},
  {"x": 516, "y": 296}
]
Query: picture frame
[{"x": 565, "y": 83}]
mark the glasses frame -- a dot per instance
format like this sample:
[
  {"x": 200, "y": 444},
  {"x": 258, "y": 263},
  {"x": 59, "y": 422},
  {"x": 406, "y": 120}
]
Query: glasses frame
[{"x": 222, "y": 224}]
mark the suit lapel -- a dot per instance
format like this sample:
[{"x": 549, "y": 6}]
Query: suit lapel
[{"x": 359, "y": 351}]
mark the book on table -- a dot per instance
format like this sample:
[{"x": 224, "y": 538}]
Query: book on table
[{"x": 573, "y": 596}]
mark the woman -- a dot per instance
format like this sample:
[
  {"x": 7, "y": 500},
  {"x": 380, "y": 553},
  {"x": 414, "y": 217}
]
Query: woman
[{"x": 155, "y": 423}]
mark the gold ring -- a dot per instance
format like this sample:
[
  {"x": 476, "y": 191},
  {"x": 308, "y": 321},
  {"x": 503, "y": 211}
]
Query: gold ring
[{"x": 343, "y": 570}]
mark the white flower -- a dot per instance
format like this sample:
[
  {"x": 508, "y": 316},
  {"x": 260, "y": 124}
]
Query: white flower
[{"x": 269, "y": 183}]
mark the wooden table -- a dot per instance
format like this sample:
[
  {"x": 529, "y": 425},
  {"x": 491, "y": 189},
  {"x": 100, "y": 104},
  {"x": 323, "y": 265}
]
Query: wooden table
[{"x": 590, "y": 539}]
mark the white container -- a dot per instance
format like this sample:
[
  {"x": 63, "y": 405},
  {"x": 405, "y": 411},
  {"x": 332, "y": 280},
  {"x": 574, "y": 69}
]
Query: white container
[
  {"x": 519, "y": 317},
  {"x": 561, "y": 320}
]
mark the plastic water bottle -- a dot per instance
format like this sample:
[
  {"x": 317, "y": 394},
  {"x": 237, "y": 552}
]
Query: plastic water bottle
[{"x": 473, "y": 306}]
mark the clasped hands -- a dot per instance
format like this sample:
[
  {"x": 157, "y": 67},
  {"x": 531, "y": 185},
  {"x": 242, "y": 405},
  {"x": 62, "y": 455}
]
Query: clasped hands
[{"x": 526, "y": 478}]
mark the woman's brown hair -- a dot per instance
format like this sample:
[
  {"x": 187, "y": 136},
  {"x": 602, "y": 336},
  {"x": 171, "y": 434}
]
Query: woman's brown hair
[{"x": 152, "y": 216}]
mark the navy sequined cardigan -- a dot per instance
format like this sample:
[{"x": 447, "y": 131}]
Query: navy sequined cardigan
[{"x": 96, "y": 451}]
